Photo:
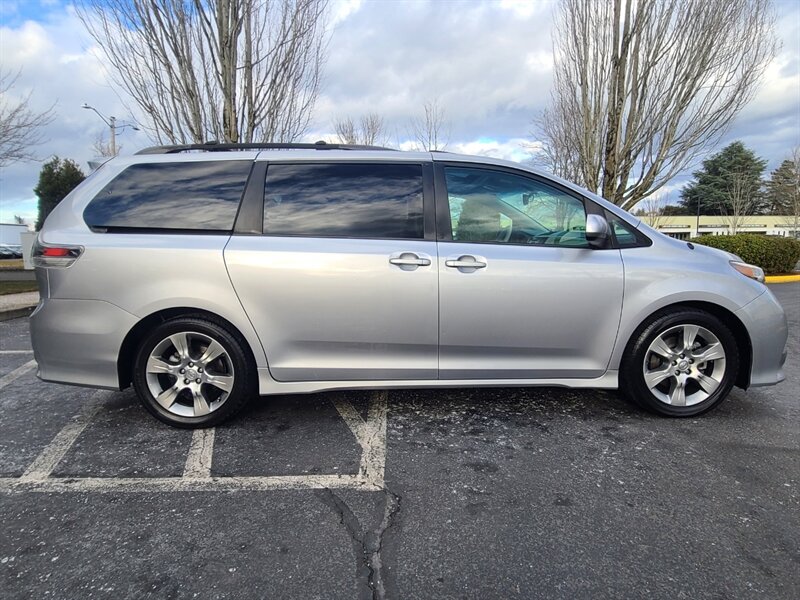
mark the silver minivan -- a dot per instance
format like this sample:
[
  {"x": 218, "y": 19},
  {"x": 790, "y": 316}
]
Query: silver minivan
[{"x": 206, "y": 275}]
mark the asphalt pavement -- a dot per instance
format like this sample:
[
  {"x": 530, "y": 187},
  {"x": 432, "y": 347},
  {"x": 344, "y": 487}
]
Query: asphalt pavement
[{"x": 476, "y": 493}]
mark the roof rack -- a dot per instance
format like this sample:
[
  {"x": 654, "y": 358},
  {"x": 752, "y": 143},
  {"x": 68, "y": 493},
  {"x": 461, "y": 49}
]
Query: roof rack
[{"x": 217, "y": 147}]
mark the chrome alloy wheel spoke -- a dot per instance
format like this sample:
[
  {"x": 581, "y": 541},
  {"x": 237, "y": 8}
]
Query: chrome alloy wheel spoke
[
  {"x": 181, "y": 383},
  {"x": 684, "y": 365}
]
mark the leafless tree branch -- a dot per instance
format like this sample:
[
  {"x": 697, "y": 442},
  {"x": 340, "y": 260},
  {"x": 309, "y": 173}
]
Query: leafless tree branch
[
  {"x": 431, "y": 131},
  {"x": 230, "y": 70},
  {"x": 642, "y": 87},
  {"x": 369, "y": 130},
  {"x": 20, "y": 127}
]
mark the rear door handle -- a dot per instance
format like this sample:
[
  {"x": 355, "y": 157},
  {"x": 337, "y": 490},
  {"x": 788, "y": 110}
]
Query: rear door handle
[
  {"x": 409, "y": 260},
  {"x": 465, "y": 261}
]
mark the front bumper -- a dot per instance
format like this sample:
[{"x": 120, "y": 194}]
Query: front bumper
[
  {"x": 765, "y": 321},
  {"x": 78, "y": 341}
]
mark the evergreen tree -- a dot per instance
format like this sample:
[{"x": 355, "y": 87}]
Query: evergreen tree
[
  {"x": 782, "y": 189},
  {"x": 56, "y": 179},
  {"x": 734, "y": 166}
]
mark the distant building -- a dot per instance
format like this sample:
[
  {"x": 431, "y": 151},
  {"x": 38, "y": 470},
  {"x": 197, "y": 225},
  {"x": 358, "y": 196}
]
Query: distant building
[
  {"x": 9, "y": 233},
  {"x": 685, "y": 227}
]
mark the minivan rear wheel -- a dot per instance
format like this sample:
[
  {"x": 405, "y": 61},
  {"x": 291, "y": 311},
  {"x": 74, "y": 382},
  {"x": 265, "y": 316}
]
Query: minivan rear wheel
[
  {"x": 192, "y": 372},
  {"x": 681, "y": 364}
]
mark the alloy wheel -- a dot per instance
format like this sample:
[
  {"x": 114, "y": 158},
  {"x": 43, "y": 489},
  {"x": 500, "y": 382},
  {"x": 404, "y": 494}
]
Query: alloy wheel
[
  {"x": 189, "y": 374},
  {"x": 684, "y": 365}
]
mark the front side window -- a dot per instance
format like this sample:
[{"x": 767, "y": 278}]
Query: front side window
[
  {"x": 344, "y": 200},
  {"x": 181, "y": 196},
  {"x": 498, "y": 207}
]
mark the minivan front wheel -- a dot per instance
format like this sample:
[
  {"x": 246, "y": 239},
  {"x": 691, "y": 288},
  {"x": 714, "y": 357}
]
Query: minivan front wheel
[
  {"x": 682, "y": 364},
  {"x": 191, "y": 372}
]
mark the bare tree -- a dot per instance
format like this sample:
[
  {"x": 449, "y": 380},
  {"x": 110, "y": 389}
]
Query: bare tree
[
  {"x": 369, "y": 130},
  {"x": 642, "y": 87},
  {"x": 793, "y": 218},
  {"x": 431, "y": 131},
  {"x": 559, "y": 153},
  {"x": 20, "y": 127},
  {"x": 741, "y": 202},
  {"x": 652, "y": 208},
  {"x": 230, "y": 70}
]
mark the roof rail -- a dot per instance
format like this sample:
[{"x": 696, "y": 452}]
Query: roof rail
[{"x": 217, "y": 147}]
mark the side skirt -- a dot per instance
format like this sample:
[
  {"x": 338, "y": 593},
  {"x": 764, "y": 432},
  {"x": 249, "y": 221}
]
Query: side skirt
[{"x": 267, "y": 385}]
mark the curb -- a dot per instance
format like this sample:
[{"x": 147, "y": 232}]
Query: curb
[
  {"x": 782, "y": 278},
  {"x": 16, "y": 313}
]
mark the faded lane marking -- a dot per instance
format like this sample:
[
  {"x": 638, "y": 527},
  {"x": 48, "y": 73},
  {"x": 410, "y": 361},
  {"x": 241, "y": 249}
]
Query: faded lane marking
[
  {"x": 16, "y": 351},
  {"x": 185, "y": 484},
  {"x": 370, "y": 435},
  {"x": 17, "y": 373},
  {"x": 47, "y": 460},
  {"x": 201, "y": 452}
]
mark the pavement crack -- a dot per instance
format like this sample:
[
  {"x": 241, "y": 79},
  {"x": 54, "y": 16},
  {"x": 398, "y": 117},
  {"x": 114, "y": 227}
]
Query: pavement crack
[
  {"x": 367, "y": 545},
  {"x": 347, "y": 518},
  {"x": 375, "y": 543}
]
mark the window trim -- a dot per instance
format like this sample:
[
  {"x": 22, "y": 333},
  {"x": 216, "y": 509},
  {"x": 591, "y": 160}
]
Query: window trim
[
  {"x": 252, "y": 206},
  {"x": 444, "y": 225}
]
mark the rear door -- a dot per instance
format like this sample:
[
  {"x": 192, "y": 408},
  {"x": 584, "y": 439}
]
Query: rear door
[
  {"x": 339, "y": 278},
  {"x": 522, "y": 295}
]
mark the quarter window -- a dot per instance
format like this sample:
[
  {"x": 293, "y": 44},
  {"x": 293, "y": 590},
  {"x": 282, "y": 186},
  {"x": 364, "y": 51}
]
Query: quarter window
[
  {"x": 623, "y": 233},
  {"x": 344, "y": 200},
  {"x": 182, "y": 196},
  {"x": 497, "y": 207}
]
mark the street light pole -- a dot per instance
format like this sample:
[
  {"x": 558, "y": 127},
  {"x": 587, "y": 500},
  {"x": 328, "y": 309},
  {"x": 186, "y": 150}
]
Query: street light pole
[
  {"x": 697, "y": 226},
  {"x": 113, "y": 126}
]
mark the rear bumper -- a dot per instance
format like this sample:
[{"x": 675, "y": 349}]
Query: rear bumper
[
  {"x": 766, "y": 323},
  {"x": 78, "y": 341}
]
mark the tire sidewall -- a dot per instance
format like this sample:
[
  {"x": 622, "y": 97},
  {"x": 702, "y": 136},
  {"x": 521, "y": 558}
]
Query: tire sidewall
[
  {"x": 633, "y": 365},
  {"x": 241, "y": 385}
]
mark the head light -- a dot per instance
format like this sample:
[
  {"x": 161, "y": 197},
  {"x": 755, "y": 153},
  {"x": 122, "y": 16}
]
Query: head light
[{"x": 751, "y": 271}]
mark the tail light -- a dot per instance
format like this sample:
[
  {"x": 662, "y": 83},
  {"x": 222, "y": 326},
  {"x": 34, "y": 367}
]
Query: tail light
[{"x": 55, "y": 256}]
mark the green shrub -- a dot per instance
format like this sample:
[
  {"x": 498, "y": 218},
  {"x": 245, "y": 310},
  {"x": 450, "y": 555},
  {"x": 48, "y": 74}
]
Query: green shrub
[{"x": 772, "y": 253}]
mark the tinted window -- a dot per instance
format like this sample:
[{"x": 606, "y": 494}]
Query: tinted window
[
  {"x": 192, "y": 195},
  {"x": 498, "y": 207},
  {"x": 344, "y": 200},
  {"x": 624, "y": 234}
]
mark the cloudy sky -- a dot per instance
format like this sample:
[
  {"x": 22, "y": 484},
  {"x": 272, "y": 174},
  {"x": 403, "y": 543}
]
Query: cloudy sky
[{"x": 488, "y": 63}]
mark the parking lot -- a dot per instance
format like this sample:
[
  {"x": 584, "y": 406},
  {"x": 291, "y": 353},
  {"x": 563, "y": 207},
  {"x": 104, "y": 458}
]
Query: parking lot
[{"x": 473, "y": 493}]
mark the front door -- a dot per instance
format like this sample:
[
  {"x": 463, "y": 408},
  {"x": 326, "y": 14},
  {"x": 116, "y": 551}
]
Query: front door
[
  {"x": 342, "y": 285},
  {"x": 522, "y": 295}
]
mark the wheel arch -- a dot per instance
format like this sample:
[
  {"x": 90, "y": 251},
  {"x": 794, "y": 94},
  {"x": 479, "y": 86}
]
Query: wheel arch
[
  {"x": 730, "y": 320},
  {"x": 133, "y": 338}
]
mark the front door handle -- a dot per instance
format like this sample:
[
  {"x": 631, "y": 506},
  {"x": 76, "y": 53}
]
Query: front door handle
[
  {"x": 466, "y": 261},
  {"x": 408, "y": 261}
]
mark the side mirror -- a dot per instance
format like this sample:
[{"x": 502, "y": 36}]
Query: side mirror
[{"x": 597, "y": 230}]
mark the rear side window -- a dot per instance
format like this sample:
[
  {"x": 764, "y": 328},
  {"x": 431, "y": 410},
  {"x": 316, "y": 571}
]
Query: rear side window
[
  {"x": 344, "y": 200},
  {"x": 182, "y": 196}
]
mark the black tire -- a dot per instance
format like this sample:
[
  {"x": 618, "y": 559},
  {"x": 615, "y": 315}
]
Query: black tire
[
  {"x": 235, "y": 362},
  {"x": 632, "y": 375}
]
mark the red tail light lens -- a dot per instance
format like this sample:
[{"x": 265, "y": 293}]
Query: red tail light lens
[{"x": 55, "y": 256}]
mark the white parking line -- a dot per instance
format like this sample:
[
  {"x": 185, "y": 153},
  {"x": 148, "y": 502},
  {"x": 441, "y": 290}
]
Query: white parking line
[
  {"x": 16, "y": 373},
  {"x": 201, "y": 451},
  {"x": 183, "y": 484},
  {"x": 47, "y": 460},
  {"x": 16, "y": 351},
  {"x": 370, "y": 435}
]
